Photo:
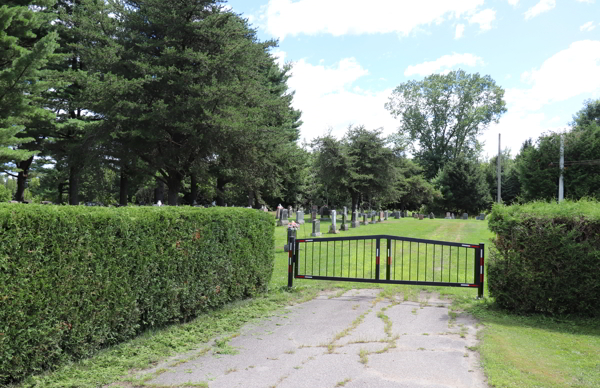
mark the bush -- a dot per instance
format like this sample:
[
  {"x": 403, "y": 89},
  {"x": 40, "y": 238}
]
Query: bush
[
  {"x": 76, "y": 279},
  {"x": 548, "y": 257}
]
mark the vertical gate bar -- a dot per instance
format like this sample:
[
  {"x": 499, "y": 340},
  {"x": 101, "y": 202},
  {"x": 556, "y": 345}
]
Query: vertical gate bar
[
  {"x": 312, "y": 260},
  {"x": 356, "y": 265},
  {"x": 293, "y": 251},
  {"x": 409, "y": 259},
  {"x": 402, "y": 266},
  {"x": 450, "y": 265},
  {"x": 377, "y": 253},
  {"x": 320, "y": 245},
  {"x": 433, "y": 264},
  {"x": 313, "y": 256},
  {"x": 389, "y": 258},
  {"x": 341, "y": 258},
  {"x": 442, "y": 265},
  {"x": 418, "y": 257},
  {"x": 296, "y": 264},
  {"x": 425, "y": 261},
  {"x": 476, "y": 267},
  {"x": 364, "y": 250},
  {"x": 395, "y": 257},
  {"x": 466, "y": 264},
  {"x": 371, "y": 264},
  {"x": 334, "y": 259},
  {"x": 457, "y": 262}
]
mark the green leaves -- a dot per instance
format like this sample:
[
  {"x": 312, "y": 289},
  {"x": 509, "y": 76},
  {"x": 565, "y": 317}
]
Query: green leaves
[{"x": 443, "y": 114}]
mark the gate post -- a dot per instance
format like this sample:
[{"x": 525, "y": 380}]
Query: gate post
[
  {"x": 291, "y": 259},
  {"x": 481, "y": 257}
]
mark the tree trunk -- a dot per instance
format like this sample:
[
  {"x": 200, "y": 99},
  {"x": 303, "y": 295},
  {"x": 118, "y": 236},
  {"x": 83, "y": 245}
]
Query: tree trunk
[
  {"x": 221, "y": 191},
  {"x": 250, "y": 198},
  {"x": 174, "y": 184},
  {"x": 73, "y": 186},
  {"x": 123, "y": 187},
  {"x": 159, "y": 192},
  {"x": 61, "y": 189},
  {"x": 194, "y": 189},
  {"x": 22, "y": 179},
  {"x": 354, "y": 202}
]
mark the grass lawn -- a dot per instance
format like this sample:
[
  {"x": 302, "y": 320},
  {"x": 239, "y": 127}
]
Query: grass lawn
[{"x": 516, "y": 351}]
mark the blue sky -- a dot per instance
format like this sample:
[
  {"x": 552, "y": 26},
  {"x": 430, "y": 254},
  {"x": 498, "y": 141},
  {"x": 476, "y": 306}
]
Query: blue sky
[{"x": 349, "y": 55}]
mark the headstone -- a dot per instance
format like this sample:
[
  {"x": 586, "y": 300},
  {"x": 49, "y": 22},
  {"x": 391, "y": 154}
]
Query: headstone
[
  {"x": 453, "y": 217},
  {"x": 373, "y": 220},
  {"x": 344, "y": 225},
  {"x": 397, "y": 215},
  {"x": 316, "y": 228},
  {"x": 290, "y": 210},
  {"x": 482, "y": 216},
  {"x": 386, "y": 214},
  {"x": 283, "y": 221},
  {"x": 365, "y": 222},
  {"x": 313, "y": 215},
  {"x": 421, "y": 216},
  {"x": 355, "y": 222},
  {"x": 403, "y": 214},
  {"x": 333, "y": 227},
  {"x": 300, "y": 217},
  {"x": 381, "y": 216},
  {"x": 448, "y": 215},
  {"x": 278, "y": 212},
  {"x": 345, "y": 211},
  {"x": 465, "y": 216},
  {"x": 431, "y": 216}
]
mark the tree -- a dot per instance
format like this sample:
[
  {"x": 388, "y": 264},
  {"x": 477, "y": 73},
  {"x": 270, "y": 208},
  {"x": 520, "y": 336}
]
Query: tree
[
  {"x": 22, "y": 54},
  {"x": 463, "y": 187},
  {"x": 511, "y": 186},
  {"x": 413, "y": 189},
  {"x": 360, "y": 165},
  {"x": 444, "y": 114},
  {"x": 590, "y": 113}
]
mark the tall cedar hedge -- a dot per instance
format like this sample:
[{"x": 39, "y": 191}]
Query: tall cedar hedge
[
  {"x": 76, "y": 279},
  {"x": 547, "y": 258}
]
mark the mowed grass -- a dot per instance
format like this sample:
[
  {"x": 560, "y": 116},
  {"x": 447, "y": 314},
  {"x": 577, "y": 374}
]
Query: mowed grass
[{"x": 516, "y": 351}]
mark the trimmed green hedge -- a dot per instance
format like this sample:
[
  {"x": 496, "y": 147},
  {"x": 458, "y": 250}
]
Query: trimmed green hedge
[
  {"x": 76, "y": 279},
  {"x": 548, "y": 257}
]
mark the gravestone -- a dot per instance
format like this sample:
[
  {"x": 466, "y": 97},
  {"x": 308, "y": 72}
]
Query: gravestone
[
  {"x": 480, "y": 217},
  {"x": 373, "y": 220},
  {"x": 300, "y": 217},
  {"x": 448, "y": 216},
  {"x": 431, "y": 216},
  {"x": 355, "y": 222},
  {"x": 290, "y": 210},
  {"x": 421, "y": 216},
  {"x": 344, "y": 225},
  {"x": 316, "y": 228},
  {"x": 365, "y": 222},
  {"x": 278, "y": 212},
  {"x": 465, "y": 216},
  {"x": 386, "y": 214},
  {"x": 283, "y": 220},
  {"x": 345, "y": 211},
  {"x": 381, "y": 216},
  {"x": 313, "y": 215},
  {"x": 333, "y": 227},
  {"x": 397, "y": 215},
  {"x": 453, "y": 216}
]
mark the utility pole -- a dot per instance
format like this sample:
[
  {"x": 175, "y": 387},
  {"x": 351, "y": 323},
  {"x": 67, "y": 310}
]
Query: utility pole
[
  {"x": 561, "y": 185},
  {"x": 498, "y": 160}
]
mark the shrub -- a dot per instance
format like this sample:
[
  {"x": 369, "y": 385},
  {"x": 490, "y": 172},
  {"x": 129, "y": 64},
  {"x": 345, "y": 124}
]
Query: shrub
[
  {"x": 76, "y": 279},
  {"x": 547, "y": 258}
]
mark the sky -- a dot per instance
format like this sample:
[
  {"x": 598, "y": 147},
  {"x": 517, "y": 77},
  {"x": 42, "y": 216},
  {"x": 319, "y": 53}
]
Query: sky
[{"x": 349, "y": 55}]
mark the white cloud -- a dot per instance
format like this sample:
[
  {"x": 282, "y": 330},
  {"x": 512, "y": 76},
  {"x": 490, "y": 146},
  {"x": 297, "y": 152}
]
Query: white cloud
[
  {"x": 484, "y": 19},
  {"x": 542, "y": 6},
  {"x": 329, "y": 98},
  {"x": 586, "y": 1},
  {"x": 279, "y": 57},
  {"x": 447, "y": 62},
  {"x": 460, "y": 29},
  {"x": 341, "y": 17},
  {"x": 513, "y": 2},
  {"x": 589, "y": 26},
  {"x": 568, "y": 73}
]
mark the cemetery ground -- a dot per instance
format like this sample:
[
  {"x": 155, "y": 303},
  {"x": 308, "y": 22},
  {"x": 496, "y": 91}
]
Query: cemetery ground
[{"x": 515, "y": 350}]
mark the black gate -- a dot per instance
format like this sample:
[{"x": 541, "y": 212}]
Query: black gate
[{"x": 408, "y": 261}]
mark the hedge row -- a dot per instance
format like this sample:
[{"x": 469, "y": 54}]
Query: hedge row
[
  {"x": 548, "y": 257},
  {"x": 74, "y": 279}
]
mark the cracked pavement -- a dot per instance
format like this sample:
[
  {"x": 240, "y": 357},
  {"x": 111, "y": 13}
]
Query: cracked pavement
[{"x": 353, "y": 340}]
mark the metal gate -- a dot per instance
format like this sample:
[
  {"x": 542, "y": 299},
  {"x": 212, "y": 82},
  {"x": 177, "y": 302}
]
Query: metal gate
[{"x": 408, "y": 261}]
